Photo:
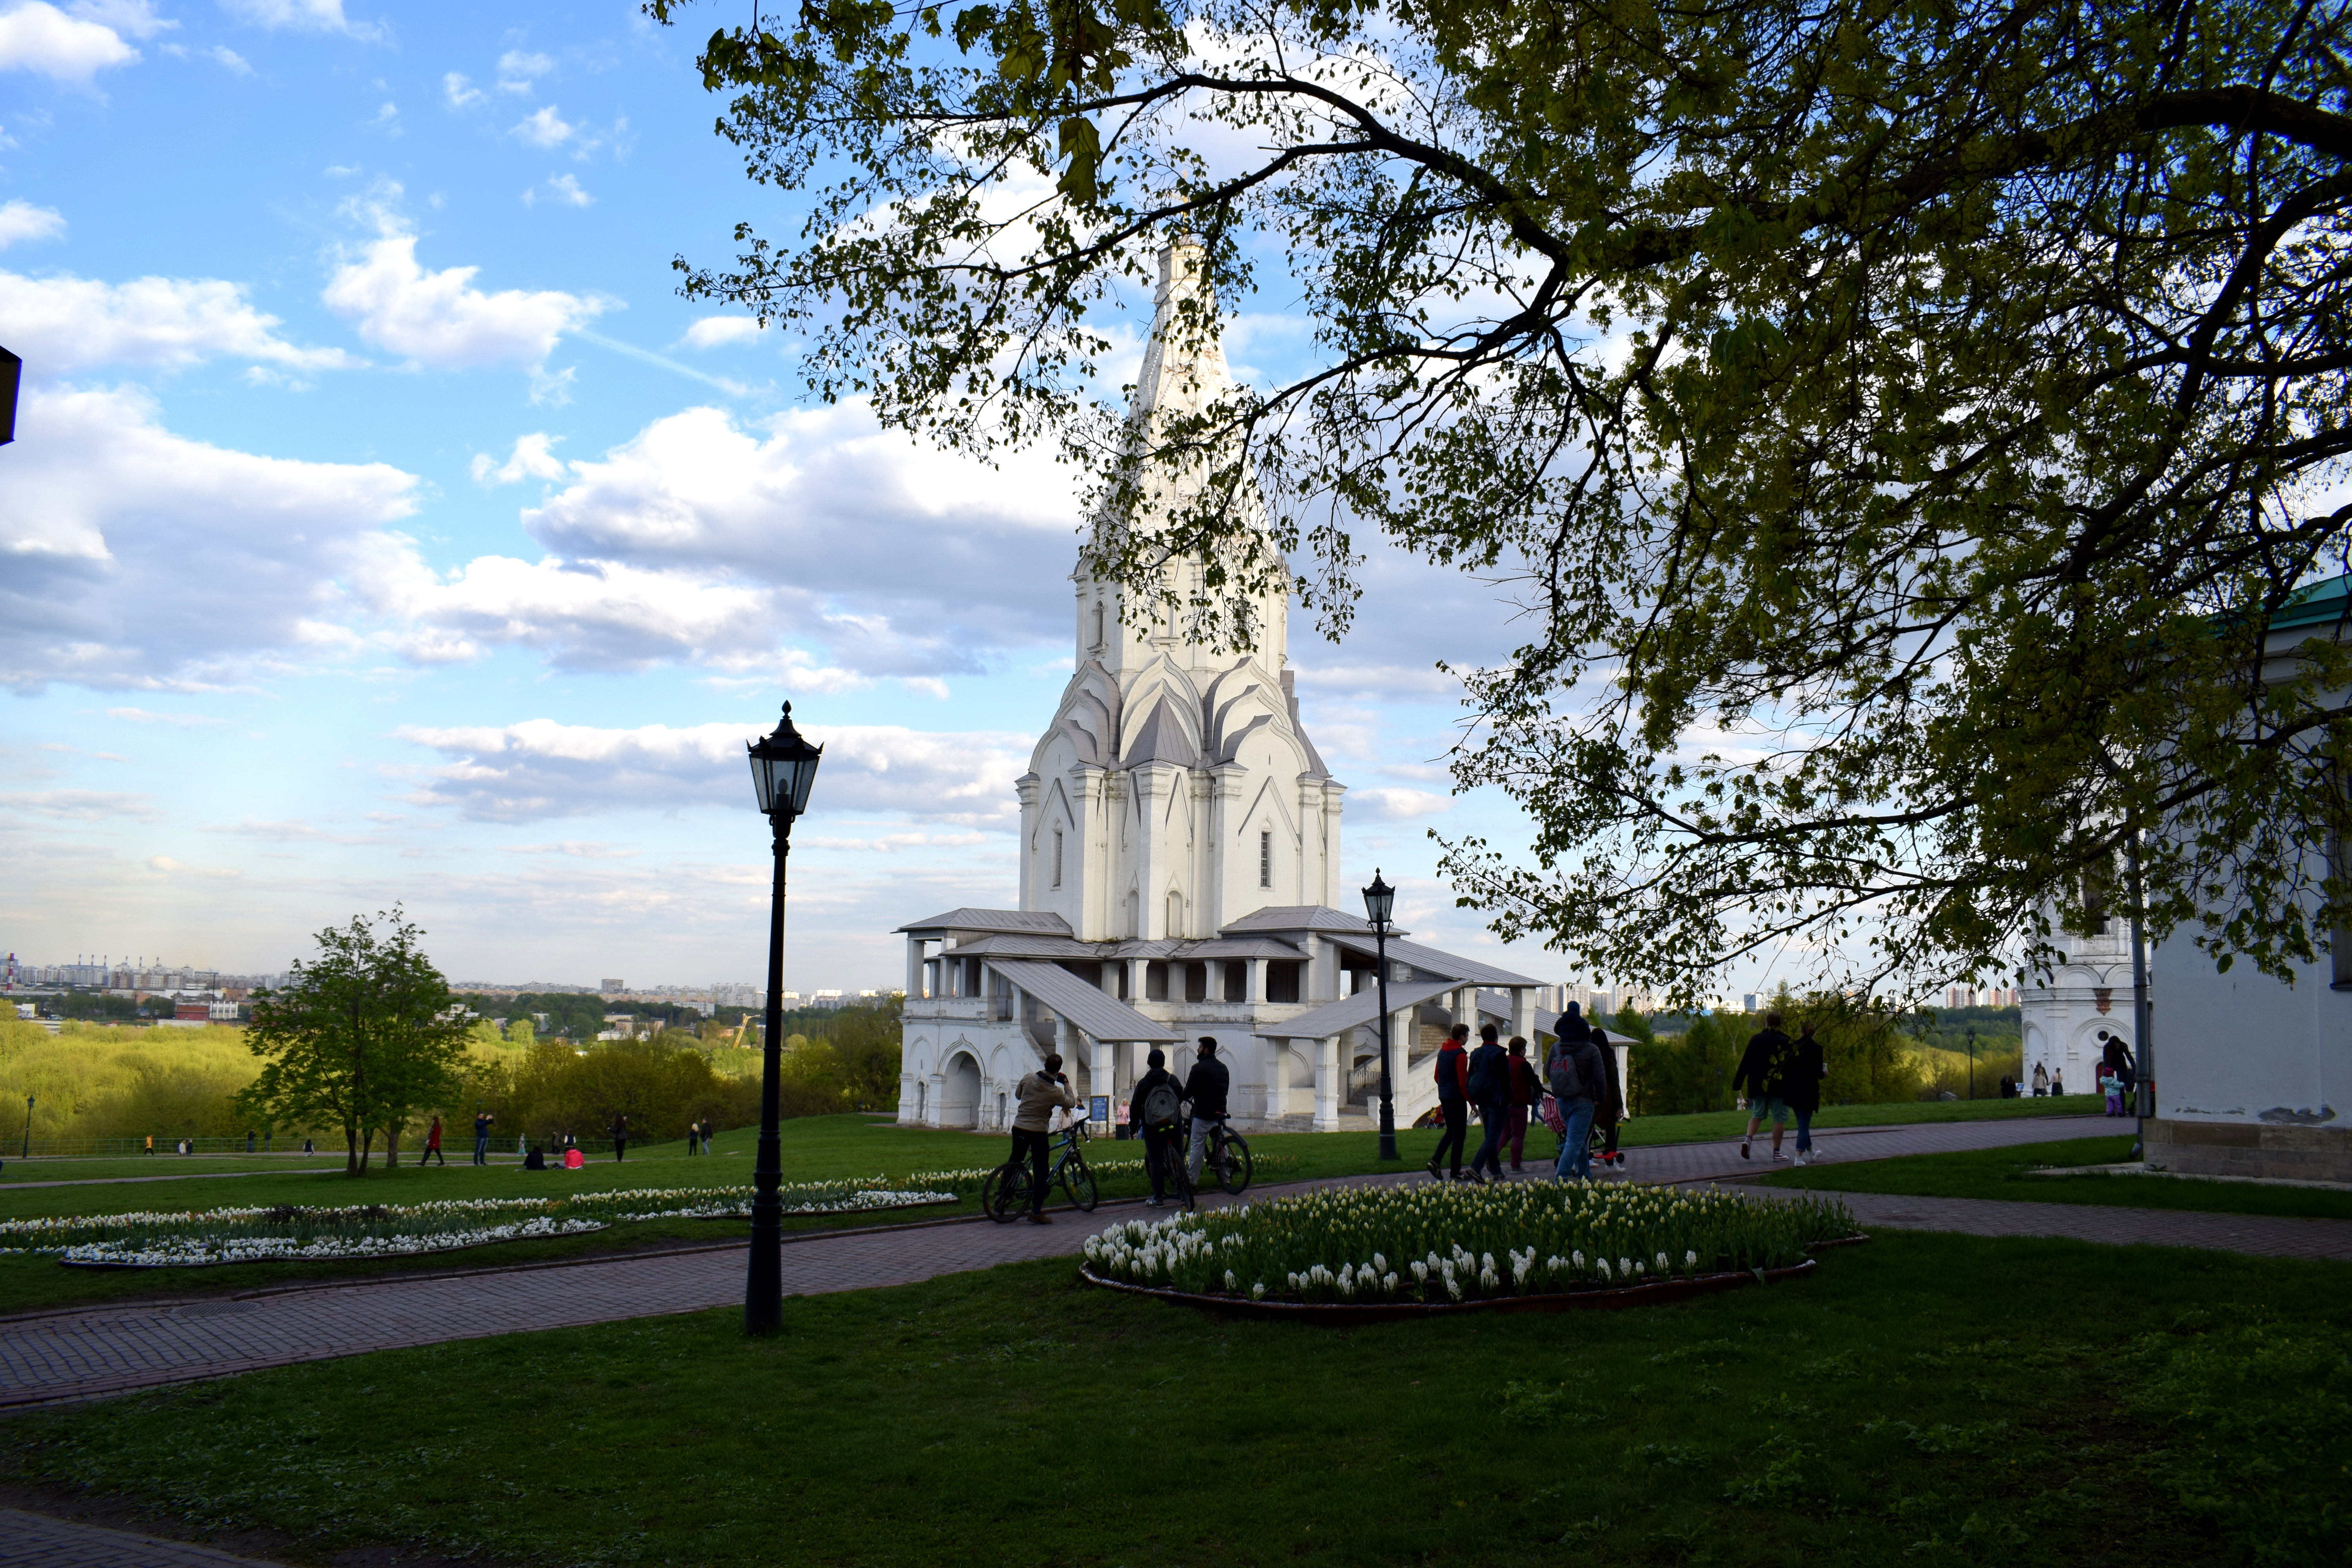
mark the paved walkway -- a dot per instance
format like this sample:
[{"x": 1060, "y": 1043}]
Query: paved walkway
[{"x": 37, "y": 1541}]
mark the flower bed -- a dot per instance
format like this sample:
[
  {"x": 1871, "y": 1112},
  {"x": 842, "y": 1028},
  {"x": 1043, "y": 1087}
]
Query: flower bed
[
  {"x": 153, "y": 1239},
  {"x": 967, "y": 1180},
  {"x": 1444, "y": 1245}
]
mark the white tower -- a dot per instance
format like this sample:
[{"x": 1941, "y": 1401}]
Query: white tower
[{"x": 1175, "y": 790}]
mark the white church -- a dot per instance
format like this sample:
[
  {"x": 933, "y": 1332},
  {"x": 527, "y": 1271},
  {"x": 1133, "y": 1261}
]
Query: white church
[{"x": 1179, "y": 877}]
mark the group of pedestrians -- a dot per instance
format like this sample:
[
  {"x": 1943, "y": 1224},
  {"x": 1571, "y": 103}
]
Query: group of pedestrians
[
  {"x": 1778, "y": 1078},
  {"x": 1577, "y": 1089}
]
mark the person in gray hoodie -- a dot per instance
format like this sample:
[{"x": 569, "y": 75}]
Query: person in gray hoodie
[{"x": 1576, "y": 1082}]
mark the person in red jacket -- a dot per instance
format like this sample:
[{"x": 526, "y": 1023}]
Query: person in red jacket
[
  {"x": 432, "y": 1144},
  {"x": 1454, "y": 1098}
]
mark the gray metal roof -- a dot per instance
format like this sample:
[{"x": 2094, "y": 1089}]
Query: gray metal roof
[
  {"x": 1302, "y": 917},
  {"x": 1338, "y": 1017},
  {"x": 1023, "y": 944},
  {"x": 1089, "y": 1010},
  {"x": 1041, "y": 921},
  {"x": 1446, "y": 963}
]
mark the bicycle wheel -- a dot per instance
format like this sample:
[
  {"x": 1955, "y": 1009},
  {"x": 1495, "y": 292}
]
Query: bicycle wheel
[
  {"x": 1002, "y": 1193},
  {"x": 1233, "y": 1166},
  {"x": 1078, "y": 1180}
]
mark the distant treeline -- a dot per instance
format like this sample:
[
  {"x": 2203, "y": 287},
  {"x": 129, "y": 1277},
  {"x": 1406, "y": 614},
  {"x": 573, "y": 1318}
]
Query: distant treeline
[{"x": 1683, "y": 1063}]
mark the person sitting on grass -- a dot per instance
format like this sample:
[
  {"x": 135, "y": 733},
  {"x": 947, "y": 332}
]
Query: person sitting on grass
[
  {"x": 574, "y": 1160},
  {"x": 536, "y": 1160},
  {"x": 1760, "y": 1066}
]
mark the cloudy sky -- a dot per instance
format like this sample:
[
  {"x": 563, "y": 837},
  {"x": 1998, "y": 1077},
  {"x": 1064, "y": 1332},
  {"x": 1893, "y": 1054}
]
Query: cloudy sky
[{"x": 382, "y": 526}]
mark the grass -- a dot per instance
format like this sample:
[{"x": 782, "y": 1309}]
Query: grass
[
  {"x": 812, "y": 1148},
  {"x": 1924, "y": 1399},
  {"x": 2002, "y": 1174}
]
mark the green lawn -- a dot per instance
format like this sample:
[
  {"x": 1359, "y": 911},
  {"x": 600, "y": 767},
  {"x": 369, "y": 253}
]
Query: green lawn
[
  {"x": 1924, "y": 1399},
  {"x": 2001, "y": 1174}
]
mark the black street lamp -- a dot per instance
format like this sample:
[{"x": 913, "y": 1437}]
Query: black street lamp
[
  {"x": 784, "y": 766},
  {"x": 1972, "y": 1061},
  {"x": 1379, "y": 903},
  {"x": 28, "y": 1127}
]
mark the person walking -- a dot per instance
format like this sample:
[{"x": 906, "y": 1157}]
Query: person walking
[
  {"x": 433, "y": 1145},
  {"x": 620, "y": 1136},
  {"x": 249, "y": 1140},
  {"x": 693, "y": 1144},
  {"x": 1526, "y": 1088},
  {"x": 1576, "y": 1079},
  {"x": 1799, "y": 1087},
  {"x": 1759, "y": 1066},
  {"x": 151, "y": 1145},
  {"x": 1487, "y": 1081},
  {"x": 706, "y": 1135},
  {"x": 1453, "y": 1099},
  {"x": 1610, "y": 1110},
  {"x": 1037, "y": 1097},
  {"x": 482, "y": 1119},
  {"x": 1206, "y": 1089},
  {"x": 2041, "y": 1080},
  {"x": 1154, "y": 1108}
]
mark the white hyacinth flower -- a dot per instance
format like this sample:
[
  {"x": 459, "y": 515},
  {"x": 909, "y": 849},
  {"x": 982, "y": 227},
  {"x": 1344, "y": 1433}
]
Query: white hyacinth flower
[
  {"x": 1390, "y": 1281},
  {"x": 1233, "y": 1281},
  {"x": 1258, "y": 1292}
]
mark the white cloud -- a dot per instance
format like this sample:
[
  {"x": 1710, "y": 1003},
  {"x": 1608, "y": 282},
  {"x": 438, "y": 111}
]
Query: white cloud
[
  {"x": 81, "y": 805},
  {"x": 140, "y": 560},
  {"x": 23, "y": 221},
  {"x": 64, "y": 323},
  {"x": 712, "y": 331},
  {"x": 439, "y": 318},
  {"x": 236, "y": 64},
  {"x": 388, "y": 117},
  {"x": 36, "y": 36},
  {"x": 181, "y": 721},
  {"x": 516, "y": 64},
  {"x": 1396, "y": 804},
  {"x": 459, "y": 92},
  {"x": 540, "y": 769},
  {"x": 546, "y": 128},
  {"x": 564, "y": 188},
  {"x": 301, "y": 16},
  {"x": 529, "y": 459}
]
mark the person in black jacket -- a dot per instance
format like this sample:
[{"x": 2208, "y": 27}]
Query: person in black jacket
[
  {"x": 1611, "y": 1109},
  {"x": 1158, "y": 1136},
  {"x": 1490, "y": 1090},
  {"x": 1205, "y": 1086},
  {"x": 1760, "y": 1068},
  {"x": 1799, "y": 1087},
  {"x": 1576, "y": 1079}
]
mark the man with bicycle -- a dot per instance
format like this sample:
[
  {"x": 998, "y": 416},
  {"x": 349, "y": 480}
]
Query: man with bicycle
[
  {"x": 1205, "y": 1087},
  {"x": 1039, "y": 1095}
]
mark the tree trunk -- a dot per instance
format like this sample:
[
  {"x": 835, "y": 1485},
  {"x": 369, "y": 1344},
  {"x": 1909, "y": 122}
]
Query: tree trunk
[{"x": 352, "y": 1165}]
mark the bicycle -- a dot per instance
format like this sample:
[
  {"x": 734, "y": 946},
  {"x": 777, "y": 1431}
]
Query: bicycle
[
  {"x": 1006, "y": 1192},
  {"x": 1227, "y": 1156}
]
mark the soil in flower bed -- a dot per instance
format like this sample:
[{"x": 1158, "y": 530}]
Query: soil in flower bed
[{"x": 1930, "y": 1400}]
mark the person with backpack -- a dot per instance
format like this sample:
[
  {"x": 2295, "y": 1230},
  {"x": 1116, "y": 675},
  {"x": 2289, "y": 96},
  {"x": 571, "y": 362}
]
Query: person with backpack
[
  {"x": 1760, "y": 1068},
  {"x": 1452, "y": 1099},
  {"x": 1205, "y": 1088},
  {"x": 1576, "y": 1082},
  {"x": 1610, "y": 1110},
  {"x": 1487, "y": 1081},
  {"x": 1526, "y": 1088},
  {"x": 1799, "y": 1087},
  {"x": 1038, "y": 1095},
  {"x": 1153, "y": 1110}
]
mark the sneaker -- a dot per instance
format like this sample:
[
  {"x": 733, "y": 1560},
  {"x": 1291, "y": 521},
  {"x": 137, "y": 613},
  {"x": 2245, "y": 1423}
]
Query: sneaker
[
  {"x": 1778, "y": 1155},
  {"x": 1743, "y": 1148},
  {"x": 1154, "y": 1203},
  {"x": 1035, "y": 1218},
  {"x": 1433, "y": 1170},
  {"x": 1800, "y": 1158}
]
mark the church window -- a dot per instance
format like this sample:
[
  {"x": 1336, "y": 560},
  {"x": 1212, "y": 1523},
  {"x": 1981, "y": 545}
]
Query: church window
[
  {"x": 1237, "y": 984},
  {"x": 1098, "y": 626},
  {"x": 1196, "y": 982},
  {"x": 2098, "y": 883},
  {"x": 1175, "y": 915},
  {"x": 1265, "y": 859},
  {"x": 1155, "y": 982},
  {"x": 1058, "y": 857},
  {"x": 1282, "y": 979}
]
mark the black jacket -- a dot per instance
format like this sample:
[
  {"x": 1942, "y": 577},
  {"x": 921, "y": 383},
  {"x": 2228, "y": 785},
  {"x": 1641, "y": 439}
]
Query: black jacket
[
  {"x": 1577, "y": 1070},
  {"x": 1756, "y": 1063},
  {"x": 1798, "y": 1084},
  {"x": 1490, "y": 1075},
  {"x": 1612, "y": 1093},
  {"x": 1143, "y": 1088},
  {"x": 1205, "y": 1088}
]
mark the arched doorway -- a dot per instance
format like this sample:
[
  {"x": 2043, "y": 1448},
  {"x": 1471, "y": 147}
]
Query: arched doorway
[{"x": 959, "y": 1094}]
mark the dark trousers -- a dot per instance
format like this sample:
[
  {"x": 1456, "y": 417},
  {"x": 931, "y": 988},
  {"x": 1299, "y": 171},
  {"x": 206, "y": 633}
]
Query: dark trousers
[
  {"x": 619, "y": 1148},
  {"x": 1514, "y": 1135},
  {"x": 1457, "y": 1132},
  {"x": 433, "y": 1152},
  {"x": 1610, "y": 1147},
  {"x": 1038, "y": 1147},
  {"x": 1160, "y": 1146},
  {"x": 481, "y": 1148},
  {"x": 1489, "y": 1157}
]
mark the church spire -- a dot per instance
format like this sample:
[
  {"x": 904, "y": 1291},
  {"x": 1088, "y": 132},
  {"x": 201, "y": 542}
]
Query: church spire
[{"x": 1184, "y": 368}]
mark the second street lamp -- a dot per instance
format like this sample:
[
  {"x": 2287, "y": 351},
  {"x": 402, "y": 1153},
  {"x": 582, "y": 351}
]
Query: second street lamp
[
  {"x": 1379, "y": 903},
  {"x": 783, "y": 767}
]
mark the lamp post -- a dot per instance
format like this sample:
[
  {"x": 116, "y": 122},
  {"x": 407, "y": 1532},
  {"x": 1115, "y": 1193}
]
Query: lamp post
[
  {"x": 28, "y": 1128},
  {"x": 784, "y": 766},
  {"x": 1972, "y": 1061},
  {"x": 1380, "y": 904}
]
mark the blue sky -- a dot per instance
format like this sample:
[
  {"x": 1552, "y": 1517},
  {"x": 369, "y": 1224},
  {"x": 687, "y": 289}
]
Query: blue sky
[{"x": 382, "y": 525}]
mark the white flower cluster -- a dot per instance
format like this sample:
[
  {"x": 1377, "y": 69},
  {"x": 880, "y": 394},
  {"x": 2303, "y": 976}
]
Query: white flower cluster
[
  {"x": 201, "y": 1251},
  {"x": 1461, "y": 1244}
]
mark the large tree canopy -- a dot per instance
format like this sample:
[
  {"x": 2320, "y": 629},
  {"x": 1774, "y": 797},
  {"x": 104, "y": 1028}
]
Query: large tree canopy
[{"x": 1900, "y": 421}]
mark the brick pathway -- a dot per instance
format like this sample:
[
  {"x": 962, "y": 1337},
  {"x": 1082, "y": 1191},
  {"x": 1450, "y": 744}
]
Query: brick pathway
[
  {"x": 36, "y": 1541},
  {"x": 2264, "y": 1236}
]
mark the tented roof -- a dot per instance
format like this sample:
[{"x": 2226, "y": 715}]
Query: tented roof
[{"x": 1089, "y": 1010}]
